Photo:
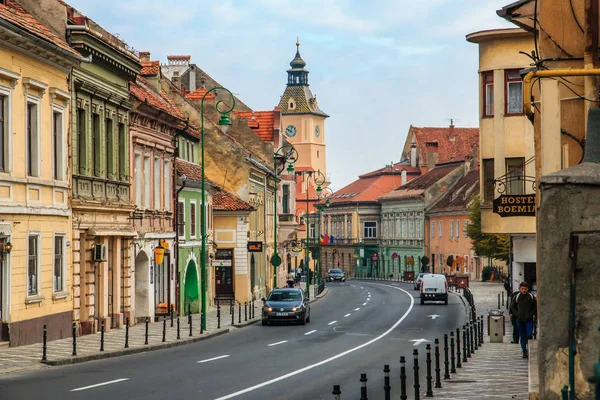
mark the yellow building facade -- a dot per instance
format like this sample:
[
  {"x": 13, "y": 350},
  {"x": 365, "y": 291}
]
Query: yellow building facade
[{"x": 35, "y": 216}]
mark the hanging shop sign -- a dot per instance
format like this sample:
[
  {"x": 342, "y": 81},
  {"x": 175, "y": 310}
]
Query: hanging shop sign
[
  {"x": 515, "y": 205},
  {"x": 255, "y": 247}
]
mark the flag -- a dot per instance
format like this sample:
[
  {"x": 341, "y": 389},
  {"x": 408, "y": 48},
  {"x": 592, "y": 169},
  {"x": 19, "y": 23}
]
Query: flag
[
  {"x": 331, "y": 239},
  {"x": 322, "y": 239}
]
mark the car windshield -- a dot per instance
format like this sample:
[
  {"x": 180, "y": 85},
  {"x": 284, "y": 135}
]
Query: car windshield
[
  {"x": 335, "y": 271},
  {"x": 285, "y": 296}
]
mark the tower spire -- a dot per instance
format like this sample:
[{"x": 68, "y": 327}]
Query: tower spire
[{"x": 297, "y": 75}]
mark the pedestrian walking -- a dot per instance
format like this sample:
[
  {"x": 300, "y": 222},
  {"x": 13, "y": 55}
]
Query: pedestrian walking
[
  {"x": 508, "y": 289},
  {"x": 290, "y": 279},
  {"x": 513, "y": 318},
  {"x": 524, "y": 307}
]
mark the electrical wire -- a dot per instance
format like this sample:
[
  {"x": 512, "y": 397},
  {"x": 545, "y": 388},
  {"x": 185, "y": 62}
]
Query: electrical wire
[
  {"x": 575, "y": 16},
  {"x": 577, "y": 94}
]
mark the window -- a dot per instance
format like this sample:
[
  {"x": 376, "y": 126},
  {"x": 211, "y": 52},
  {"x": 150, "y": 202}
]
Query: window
[
  {"x": 33, "y": 265},
  {"x": 33, "y": 148},
  {"x": 81, "y": 141},
  {"x": 137, "y": 172},
  {"x": 515, "y": 171},
  {"x": 193, "y": 219},
  {"x": 110, "y": 148},
  {"x": 514, "y": 93},
  {"x": 457, "y": 228},
  {"x": 209, "y": 216},
  {"x": 441, "y": 229},
  {"x": 311, "y": 230},
  {"x": 58, "y": 145},
  {"x": 167, "y": 184},
  {"x": 466, "y": 225},
  {"x": 349, "y": 227},
  {"x": 181, "y": 218},
  {"x": 157, "y": 179},
  {"x": 122, "y": 146},
  {"x": 488, "y": 179},
  {"x": 432, "y": 229},
  {"x": 59, "y": 263},
  {"x": 370, "y": 230},
  {"x": 192, "y": 156},
  {"x": 96, "y": 144},
  {"x": 488, "y": 94},
  {"x": 147, "y": 182},
  {"x": 187, "y": 151},
  {"x": 451, "y": 229},
  {"x": 3, "y": 131},
  {"x": 285, "y": 199}
]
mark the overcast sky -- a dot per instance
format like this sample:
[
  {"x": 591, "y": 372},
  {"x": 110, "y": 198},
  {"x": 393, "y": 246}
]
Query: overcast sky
[{"x": 376, "y": 66}]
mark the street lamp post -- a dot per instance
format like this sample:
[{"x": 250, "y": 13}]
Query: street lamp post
[
  {"x": 285, "y": 154},
  {"x": 326, "y": 195},
  {"x": 224, "y": 123}
]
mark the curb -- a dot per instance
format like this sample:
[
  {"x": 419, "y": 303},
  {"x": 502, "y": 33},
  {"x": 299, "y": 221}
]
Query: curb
[
  {"x": 119, "y": 353},
  {"x": 465, "y": 305},
  {"x": 323, "y": 294},
  {"x": 246, "y": 323}
]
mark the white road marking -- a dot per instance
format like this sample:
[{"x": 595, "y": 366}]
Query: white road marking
[
  {"x": 310, "y": 332},
  {"x": 356, "y": 309},
  {"x": 362, "y": 287},
  {"x": 364, "y": 304},
  {"x": 99, "y": 384},
  {"x": 318, "y": 364},
  {"x": 332, "y": 322},
  {"x": 347, "y": 315},
  {"x": 419, "y": 341},
  {"x": 275, "y": 344},
  {"x": 213, "y": 359},
  {"x": 434, "y": 316}
]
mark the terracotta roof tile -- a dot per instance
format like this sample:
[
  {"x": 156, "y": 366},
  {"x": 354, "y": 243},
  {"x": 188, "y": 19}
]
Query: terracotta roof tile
[
  {"x": 418, "y": 185},
  {"x": 192, "y": 171},
  {"x": 150, "y": 68},
  {"x": 460, "y": 195},
  {"x": 225, "y": 201},
  {"x": 261, "y": 122},
  {"x": 18, "y": 16},
  {"x": 395, "y": 168},
  {"x": 144, "y": 93},
  {"x": 452, "y": 142},
  {"x": 198, "y": 94},
  {"x": 305, "y": 101}
]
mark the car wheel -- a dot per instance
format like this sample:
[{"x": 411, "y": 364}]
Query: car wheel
[
  {"x": 446, "y": 301},
  {"x": 422, "y": 301},
  {"x": 303, "y": 320},
  {"x": 308, "y": 319}
]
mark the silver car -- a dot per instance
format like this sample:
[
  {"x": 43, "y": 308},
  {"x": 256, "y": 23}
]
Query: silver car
[{"x": 336, "y": 275}]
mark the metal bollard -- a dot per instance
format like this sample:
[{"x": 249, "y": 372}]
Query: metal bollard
[
  {"x": 74, "y": 338},
  {"x": 429, "y": 379},
  {"x": 178, "y": 331},
  {"x": 239, "y": 313},
  {"x": 172, "y": 312},
  {"x": 503, "y": 298},
  {"x": 164, "y": 338},
  {"x": 190, "y": 319},
  {"x": 189, "y": 313},
  {"x": 253, "y": 308},
  {"x": 481, "y": 330},
  {"x": 416, "y": 372},
  {"x": 565, "y": 392},
  {"x": 201, "y": 327},
  {"x": 232, "y": 315},
  {"x": 471, "y": 341},
  {"x": 218, "y": 316},
  {"x": 336, "y": 392},
  {"x": 458, "y": 361},
  {"x": 102, "y": 337},
  {"x": 446, "y": 362},
  {"x": 127, "y": 333},
  {"x": 465, "y": 346},
  {"x": 468, "y": 348},
  {"x": 386, "y": 382},
  {"x": 452, "y": 354},
  {"x": 146, "y": 334},
  {"x": 45, "y": 336},
  {"x": 438, "y": 381},
  {"x": 245, "y": 311},
  {"x": 230, "y": 306},
  {"x": 499, "y": 307},
  {"x": 363, "y": 387},
  {"x": 403, "y": 378}
]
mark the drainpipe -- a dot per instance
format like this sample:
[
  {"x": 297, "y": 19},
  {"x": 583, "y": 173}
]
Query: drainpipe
[{"x": 590, "y": 54}]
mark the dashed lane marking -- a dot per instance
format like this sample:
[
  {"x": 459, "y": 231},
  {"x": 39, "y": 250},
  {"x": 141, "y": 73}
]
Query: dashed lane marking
[
  {"x": 310, "y": 332},
  {"x": 213, "y": 359},
  {"x": 99, "y": 384},
  {"x": 332, "y": 322},
  {"x": 275, "y": 344}
]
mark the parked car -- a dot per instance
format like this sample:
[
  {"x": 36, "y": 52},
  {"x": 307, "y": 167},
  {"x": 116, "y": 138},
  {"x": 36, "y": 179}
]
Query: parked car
[
  {"x": 417, "y": 281},
  {"x": 434, "y": 287},
  {"x": 286, "y": 305},
  {"x": 335, "y": 274}
]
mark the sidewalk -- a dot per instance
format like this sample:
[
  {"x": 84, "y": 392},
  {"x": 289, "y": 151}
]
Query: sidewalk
[{"x": 495, "y": 370}]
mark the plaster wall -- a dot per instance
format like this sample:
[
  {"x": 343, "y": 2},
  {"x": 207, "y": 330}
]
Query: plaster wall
[{"x": 311, "y": 149}]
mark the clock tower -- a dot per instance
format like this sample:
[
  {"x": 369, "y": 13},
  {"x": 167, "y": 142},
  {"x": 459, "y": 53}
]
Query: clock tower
[{"x": 302, "y": 120}]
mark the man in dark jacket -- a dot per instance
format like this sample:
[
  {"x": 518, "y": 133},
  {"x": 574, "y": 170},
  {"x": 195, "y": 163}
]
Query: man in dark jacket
[
  {"x": 513, "y": 318},
  {"x": 524, "y": 307}
]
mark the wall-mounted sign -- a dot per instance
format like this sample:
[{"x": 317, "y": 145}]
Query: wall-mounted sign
[
  {"x": 374, "y": 257},
  {"x": 394, "y": 255},
  {"x": 221, "y": 263},
  {"x": 515, "y": 205},
  {"x": 255, "y": 247}
]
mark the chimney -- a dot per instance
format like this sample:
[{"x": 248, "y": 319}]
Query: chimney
[
  {"x": 413, "y": 155},
  {"x": 176, "y": 81},
  {"x": 432, "y": 154},
  {"x": 192, "y": 78},
  {"x": 403, "y": 177},
  {"x": 144, "y": 56},
  {"x": 451, "y": 132},
  {"x": 468, "y": 163}
]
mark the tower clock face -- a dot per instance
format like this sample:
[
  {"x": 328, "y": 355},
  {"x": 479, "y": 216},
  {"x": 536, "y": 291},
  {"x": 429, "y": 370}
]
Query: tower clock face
[
  {"x": 290, "y": 131},
  {"x": 317, "y": 131}
]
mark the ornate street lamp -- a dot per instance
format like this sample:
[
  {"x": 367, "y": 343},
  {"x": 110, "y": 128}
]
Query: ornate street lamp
[
  {"x": 326, "y": 194},
  {"x": 286, "y": 154},
  {"x": 224, "y": 124}
]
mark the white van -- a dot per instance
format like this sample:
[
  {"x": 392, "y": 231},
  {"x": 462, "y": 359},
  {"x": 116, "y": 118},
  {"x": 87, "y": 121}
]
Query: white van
[{"x": 434, "y": 288}]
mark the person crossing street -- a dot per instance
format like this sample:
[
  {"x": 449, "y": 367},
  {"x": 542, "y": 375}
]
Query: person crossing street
[{"x": 524, "y": 307}]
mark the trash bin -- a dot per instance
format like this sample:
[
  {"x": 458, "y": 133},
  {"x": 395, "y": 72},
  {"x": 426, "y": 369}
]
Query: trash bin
[{"x": 496, "y": 326}]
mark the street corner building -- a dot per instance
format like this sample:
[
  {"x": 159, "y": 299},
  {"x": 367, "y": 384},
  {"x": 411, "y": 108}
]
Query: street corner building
[{"x": 36, "y": 285}]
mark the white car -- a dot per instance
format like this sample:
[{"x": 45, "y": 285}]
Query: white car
[{"x": 434, "y": 287}]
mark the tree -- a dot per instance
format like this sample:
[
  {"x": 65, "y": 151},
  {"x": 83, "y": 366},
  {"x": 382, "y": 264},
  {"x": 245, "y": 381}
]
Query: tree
[
  {"x": 450, "y": 260},
  {"x": 424, "y": 263},
  {"x": 485, "y": 245}
]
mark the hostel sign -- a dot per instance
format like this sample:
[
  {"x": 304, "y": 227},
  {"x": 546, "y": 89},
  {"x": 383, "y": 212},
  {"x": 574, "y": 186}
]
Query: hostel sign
[{"x": 515, "y": 205}]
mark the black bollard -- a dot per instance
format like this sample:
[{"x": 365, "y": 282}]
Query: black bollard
[
  {"x": 164, "y": 339},
  {"x": 253, "y": 308},
  {"x": 481, "y": 330},
  {"x": 476, "y": 332},
  {"x": 201, "y": 327},
  {"x": 230, "y": 306},
  {"x": 429, "y": 379},
  {"x": 239, "y": 313},
  {"x": 416, "y": 372},
  {"x": 446, "y": 359},
  {"x": 452, "y": 354},
  {"x": 127, "y": 333},
  {"x": 146, "y": 335},
  {"x": 403, "y": 378},
  {"x": 45, "y": 337},
  {"x": 218, "y": 316},
  {"x": 74, "y": 338},
  {"x": 102, "y": 337},
  {"x": 191, "y": 334},
  {"x": 172, "y": 316},
  {"x": 336, "y": 392},
  {"x": 363, "y": 387},
  {"x": 471, "y": 341},
  {"x": 458, "y": 363},
  {"x": 468, "y": 347},
  {"x": 189, "y": 313},
  {"x": 232, "y": 315},
  {"x": 245, "y": 311},
  {"x": 438, "y": 381},
  {"x": 386, "y": 382},
  {"x": 499, "y": 301},
  {"x": 465, "y": 346},
  {"x": 178, "y": 331}
]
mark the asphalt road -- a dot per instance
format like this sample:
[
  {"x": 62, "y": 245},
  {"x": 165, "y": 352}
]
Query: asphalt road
[{"x": 357, "y": 328}]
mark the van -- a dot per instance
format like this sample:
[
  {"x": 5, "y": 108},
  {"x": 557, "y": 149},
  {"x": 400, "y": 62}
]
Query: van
[{"x": 434, "y": 287}]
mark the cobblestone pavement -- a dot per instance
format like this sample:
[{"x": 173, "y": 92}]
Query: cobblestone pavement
[{"x": 496, "y": 370}]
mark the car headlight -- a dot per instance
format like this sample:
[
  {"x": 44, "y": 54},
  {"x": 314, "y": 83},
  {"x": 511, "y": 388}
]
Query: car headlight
[
  {"x": 294, "y": 308},
  {"x": 268, "y": 309}
]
